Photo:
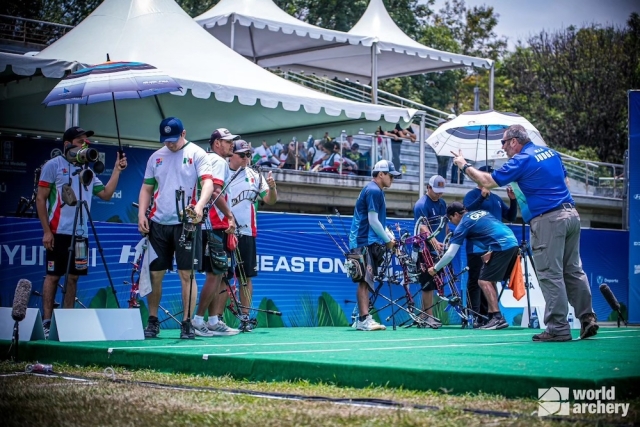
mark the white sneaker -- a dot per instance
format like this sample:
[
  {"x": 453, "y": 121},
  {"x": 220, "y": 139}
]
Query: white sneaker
[
  {"x": 221, "y": 329},
  {"x": 433, "y": 323},
  {"x": 201, "y": 329},
  {"x": 369, "y": 324}
]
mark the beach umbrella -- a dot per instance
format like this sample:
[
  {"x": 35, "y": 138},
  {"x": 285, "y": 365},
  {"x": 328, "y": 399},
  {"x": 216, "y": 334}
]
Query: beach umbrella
[
  {"x": 478, "y": 134},
  {"x": 110, "y": 81}
]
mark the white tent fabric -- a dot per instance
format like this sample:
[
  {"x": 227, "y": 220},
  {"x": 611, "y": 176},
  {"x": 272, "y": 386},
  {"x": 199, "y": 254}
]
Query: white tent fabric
[
  {"x": 400, "y": 55},
  {"x": 160, "y": 33},
  {"x": 272, "y": 38}
]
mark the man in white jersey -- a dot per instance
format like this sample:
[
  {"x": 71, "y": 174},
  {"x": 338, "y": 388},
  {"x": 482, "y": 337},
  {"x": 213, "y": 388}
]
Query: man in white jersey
[
  {"x": 213, "y": 296},
  {"x": 244, "y": 191},
  {"x": 57, "y": 218},
  {"x": 178, "y": 166}
]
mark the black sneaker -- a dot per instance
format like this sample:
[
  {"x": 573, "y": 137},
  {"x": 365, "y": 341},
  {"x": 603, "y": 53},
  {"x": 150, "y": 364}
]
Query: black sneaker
[
  {"x": 496, "y": 322},
  {"x": 547, "y": 337},
  {"x": 588, "y": 326},
  {"x": 186, "y": 331},
  {"x": 153, "y": 327},
  {"x": 46, "y": 327}
]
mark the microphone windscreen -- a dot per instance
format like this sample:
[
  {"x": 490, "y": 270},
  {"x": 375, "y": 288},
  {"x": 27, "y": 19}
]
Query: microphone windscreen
[
  {"x": 610, "y": 297},
  {"x": 21, "y": 300}
]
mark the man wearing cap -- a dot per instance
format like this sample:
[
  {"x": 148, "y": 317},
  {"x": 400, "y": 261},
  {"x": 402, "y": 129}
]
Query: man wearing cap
[
  {"x": 218, "y": 230},
  {"x": 244, "y": 192},
  {"x": 537, "y": 176},
  {"x": 433, "y": 208},
  {"x": 483, "y": 199},
  {"x": 57, "y": 218},
  {"x": 368, "y": 238},
  {"x": 178, "y": 166},
  {"x": 483, "y": 230}
]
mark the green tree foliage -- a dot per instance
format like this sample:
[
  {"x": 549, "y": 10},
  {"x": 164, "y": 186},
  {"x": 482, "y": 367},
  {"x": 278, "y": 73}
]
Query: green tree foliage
[
  {"x": 458, "y": 29},
  {"x": 573, "y": 84},
  {"x": 196, "y": 7}
]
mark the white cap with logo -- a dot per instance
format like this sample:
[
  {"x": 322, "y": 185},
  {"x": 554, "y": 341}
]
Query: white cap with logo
[
  {"x": 385, "y": 166},
  {"x": 437, "y": 183}
]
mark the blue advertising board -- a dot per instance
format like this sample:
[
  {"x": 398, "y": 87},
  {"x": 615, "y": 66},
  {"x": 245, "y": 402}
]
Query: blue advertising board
[{"x": 297, "y": 264}]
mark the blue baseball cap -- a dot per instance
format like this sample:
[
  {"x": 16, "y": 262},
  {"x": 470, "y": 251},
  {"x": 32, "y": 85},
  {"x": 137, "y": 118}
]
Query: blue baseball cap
[{"x": 170, "y": 129}]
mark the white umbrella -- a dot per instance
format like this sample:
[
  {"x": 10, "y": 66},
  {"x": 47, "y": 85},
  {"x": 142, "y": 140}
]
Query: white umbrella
[{"x": 478, "y": 134}]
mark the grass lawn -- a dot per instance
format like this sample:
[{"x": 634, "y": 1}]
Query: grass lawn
[{"x": 142, "y": 397}]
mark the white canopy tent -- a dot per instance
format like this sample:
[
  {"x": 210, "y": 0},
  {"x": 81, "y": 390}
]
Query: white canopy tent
[
  {"x": 399, "y": 55},
  {"x": 160, "y": 33},
  {"x": 375, "y": 48}
]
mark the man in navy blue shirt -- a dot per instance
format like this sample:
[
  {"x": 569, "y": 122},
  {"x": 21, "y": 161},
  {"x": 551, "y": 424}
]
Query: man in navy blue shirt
[
  {"x": 483, "y": 199},
  {"x": 496, "y": 240},
  {"x": 433, "y": 208},
  {"x": 368, "y": 239},
  {"x": 537, "y": 176}
]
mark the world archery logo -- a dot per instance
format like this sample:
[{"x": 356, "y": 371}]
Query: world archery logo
[
  {"x": 553, "y": 401},
  {"x": 158, "y": 161}
]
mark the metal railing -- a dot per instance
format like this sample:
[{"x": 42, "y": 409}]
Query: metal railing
[
  {"x": 356, "y": 91},
  {"x": 30, "y": 32},
  {"x": 595, "y": 178}
]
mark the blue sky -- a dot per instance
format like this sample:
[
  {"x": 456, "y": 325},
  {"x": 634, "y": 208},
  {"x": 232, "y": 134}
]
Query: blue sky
[{"x": 521, "y": 18}]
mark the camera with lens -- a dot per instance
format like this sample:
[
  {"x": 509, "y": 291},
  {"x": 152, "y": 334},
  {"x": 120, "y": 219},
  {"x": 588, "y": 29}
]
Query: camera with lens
[{"x": 82, "y": 156}]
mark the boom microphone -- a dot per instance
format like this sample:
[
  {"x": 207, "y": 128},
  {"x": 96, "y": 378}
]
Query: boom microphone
[
  {"x": 21, "y": 300},
  {"x": 613, "y": 302},
  {"x": 610, "y": 297}
]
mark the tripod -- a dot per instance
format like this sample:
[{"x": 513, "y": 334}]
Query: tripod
[
  {"x": 80, "y": 206},
  {"x": 526, "y": 254}
]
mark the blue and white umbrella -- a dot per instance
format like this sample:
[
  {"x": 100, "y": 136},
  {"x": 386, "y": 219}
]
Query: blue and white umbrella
[
  {"x": 111, "y": 81},
  {"x": 478, "y": 134}
]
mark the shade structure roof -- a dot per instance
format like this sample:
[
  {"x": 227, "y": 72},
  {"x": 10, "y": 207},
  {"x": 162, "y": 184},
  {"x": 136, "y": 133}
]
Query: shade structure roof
[
  {"x": 160, "y": 33},
  {"x": 272, "y": 38}
]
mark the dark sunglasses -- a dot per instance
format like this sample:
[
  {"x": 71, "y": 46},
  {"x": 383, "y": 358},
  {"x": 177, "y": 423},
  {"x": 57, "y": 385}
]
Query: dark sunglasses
[
  {"x": 504, "y": 141},
  {"x": 243, "y": 155}
]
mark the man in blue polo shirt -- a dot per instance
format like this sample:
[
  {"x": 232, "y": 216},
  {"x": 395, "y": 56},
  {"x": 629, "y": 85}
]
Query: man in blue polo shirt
[
  {"x": 537, "y": 176},
  {"x": 497, "y": 242},
  {"x": 368, "y": 238},
  {"x": 433, "y": 208}
]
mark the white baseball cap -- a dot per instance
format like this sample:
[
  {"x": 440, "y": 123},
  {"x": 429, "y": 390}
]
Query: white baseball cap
[
  {"x": 385, "y": 166},
  {"x": 437, "y": 183}
]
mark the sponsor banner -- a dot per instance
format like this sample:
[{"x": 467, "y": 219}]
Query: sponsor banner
[
  {"x": 297, "y": 262},
  {"x": 634, "y": 206}
]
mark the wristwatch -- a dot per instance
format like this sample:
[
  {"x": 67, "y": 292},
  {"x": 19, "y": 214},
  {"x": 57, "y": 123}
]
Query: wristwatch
[{"x": 464, "y": 168}]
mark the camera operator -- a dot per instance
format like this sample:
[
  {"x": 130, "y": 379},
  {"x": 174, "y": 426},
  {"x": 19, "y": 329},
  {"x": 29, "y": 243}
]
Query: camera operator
[{"x": 57, "y": 217}]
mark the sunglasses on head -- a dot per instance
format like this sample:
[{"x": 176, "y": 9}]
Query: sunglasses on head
[{"x": 243, "y": 155}]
